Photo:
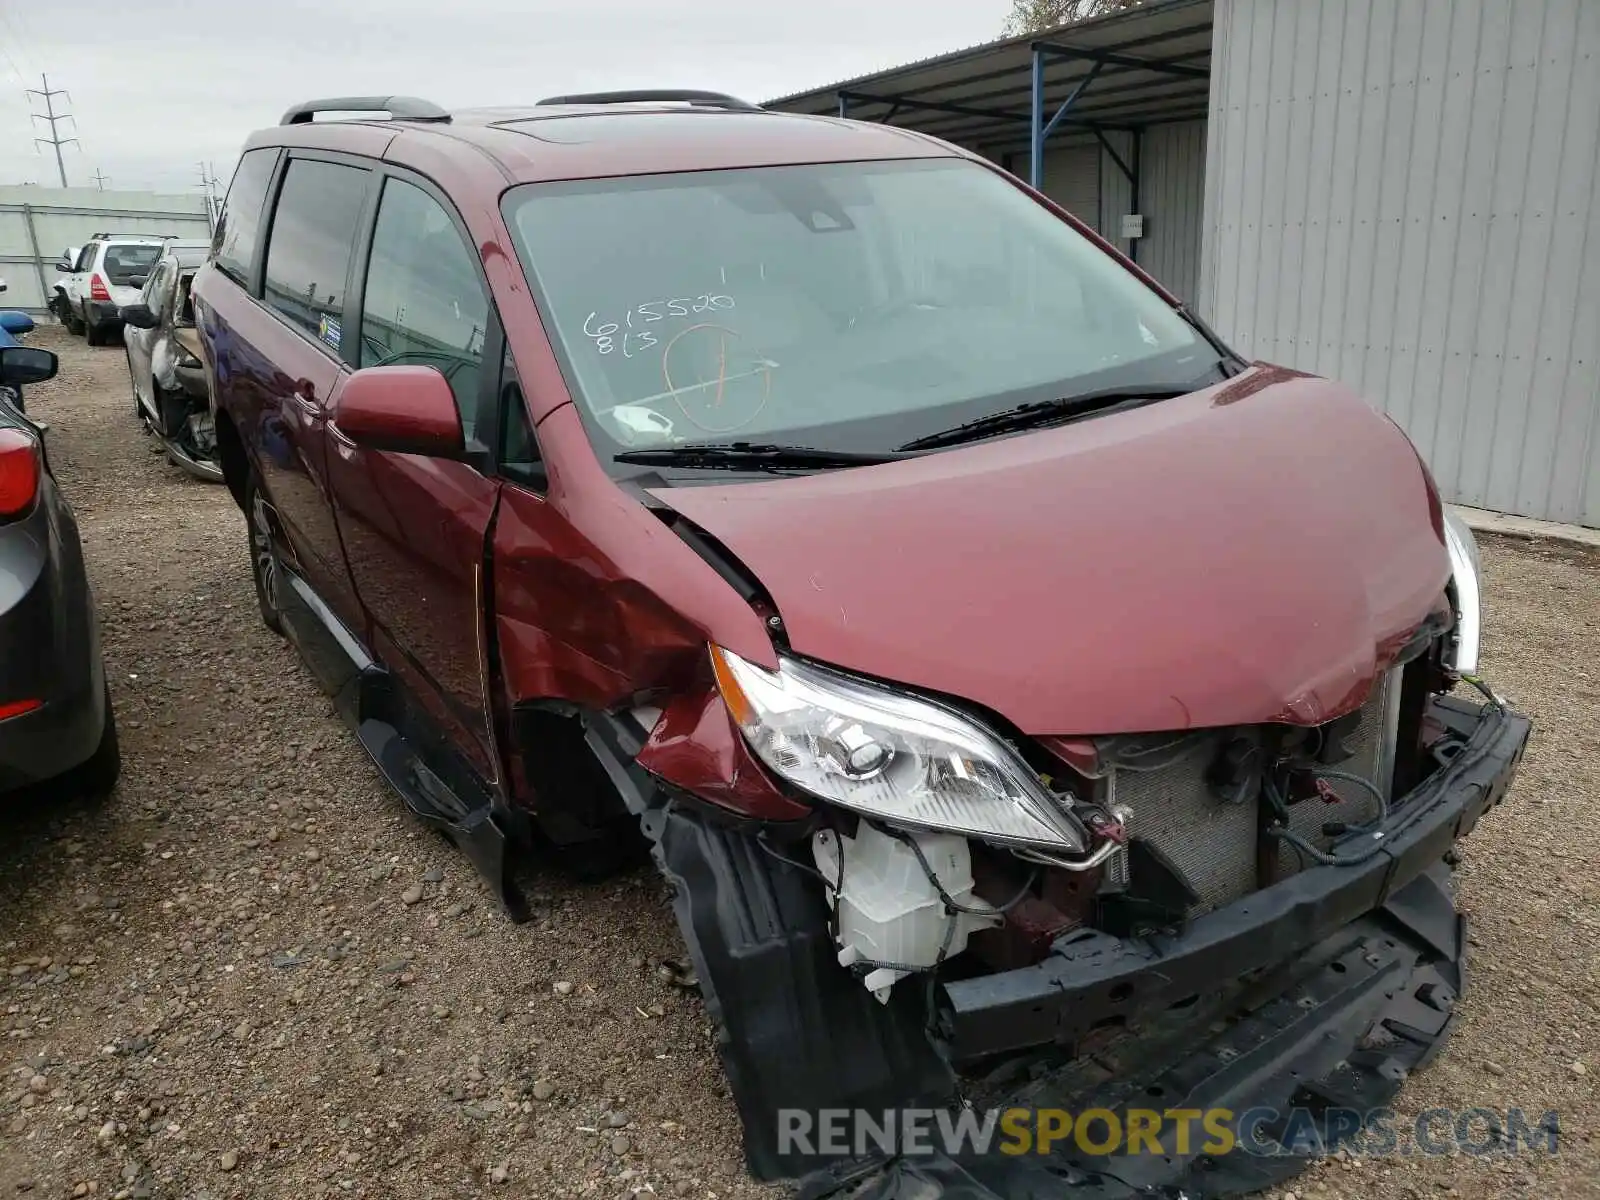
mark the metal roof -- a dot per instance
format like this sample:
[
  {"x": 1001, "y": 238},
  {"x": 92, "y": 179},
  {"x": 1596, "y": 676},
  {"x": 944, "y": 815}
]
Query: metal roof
[{"x": 1151, "y": 65}]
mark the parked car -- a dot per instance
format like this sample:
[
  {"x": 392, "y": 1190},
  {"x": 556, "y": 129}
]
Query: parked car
[
  {"x": 14, "y": 323},
  {"x": 109, "y": 272},
  {"x": 60, "y": 303},
  {"x": 56, "y": 722},
  {"x": 169, "y": 384},
  {"x": 994, "y": 661}
]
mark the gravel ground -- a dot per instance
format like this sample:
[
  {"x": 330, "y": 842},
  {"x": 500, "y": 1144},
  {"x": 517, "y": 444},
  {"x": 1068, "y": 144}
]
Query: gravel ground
[{"x": 250, "y": 973}]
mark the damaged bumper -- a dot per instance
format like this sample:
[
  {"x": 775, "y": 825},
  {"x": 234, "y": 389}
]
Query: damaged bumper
[
  {"x": 1321, "y": 991},
  {"x": 1093, "y": 980}
]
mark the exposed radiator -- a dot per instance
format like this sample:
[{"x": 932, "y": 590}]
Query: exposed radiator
[{"x": 1210, "y": 841}]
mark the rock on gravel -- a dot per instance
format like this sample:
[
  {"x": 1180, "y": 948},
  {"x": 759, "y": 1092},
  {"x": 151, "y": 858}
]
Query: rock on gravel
[{"x": 137, "y": 937}]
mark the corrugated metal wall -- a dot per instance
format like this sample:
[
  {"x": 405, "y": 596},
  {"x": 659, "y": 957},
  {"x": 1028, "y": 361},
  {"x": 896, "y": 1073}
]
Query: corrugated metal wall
[
  {"x": 1116, "y": 190},
  {"x": 1403, "y": 194},
  {"x": 1172, "y": 171},
  {"x": 1172, "y": 181},
  {"x": 55, "y": 218},
  {"x": 1071, "y": 178}
]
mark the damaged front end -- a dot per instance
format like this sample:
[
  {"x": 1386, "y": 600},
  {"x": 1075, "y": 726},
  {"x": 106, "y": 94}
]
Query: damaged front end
[
  {"x": 942, "y": 913},
  {"x": 183, "y": 420}
]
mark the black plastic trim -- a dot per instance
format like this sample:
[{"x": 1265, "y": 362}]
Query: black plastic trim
[{"x": 399, "y": 108}]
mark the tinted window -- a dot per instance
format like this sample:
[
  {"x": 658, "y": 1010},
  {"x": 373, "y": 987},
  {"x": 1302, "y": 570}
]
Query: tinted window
[
  {"x": 308, "y": 250},
  {"x": 86, "y": 256},
  {"x": 423, "y": 303},
  {"x": 239, "y": 226},
  {"x": 519, "y": 449},
  {"x": 125, "y": 263}
]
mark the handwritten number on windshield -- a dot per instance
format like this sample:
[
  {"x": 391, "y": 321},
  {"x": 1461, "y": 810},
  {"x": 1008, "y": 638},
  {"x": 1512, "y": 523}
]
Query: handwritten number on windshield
[{"x": 603, "y": 334}]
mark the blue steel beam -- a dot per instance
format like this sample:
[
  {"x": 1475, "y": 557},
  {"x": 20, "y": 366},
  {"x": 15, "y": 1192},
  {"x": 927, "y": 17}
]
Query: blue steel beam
[
  {"x": 1036, "y": 123},
  {"x": 1159, "y": 66},
  {"x": 1072, "y": 98}
]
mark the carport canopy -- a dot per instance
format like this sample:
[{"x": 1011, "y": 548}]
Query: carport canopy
[{"x": 1124, "y": 72}]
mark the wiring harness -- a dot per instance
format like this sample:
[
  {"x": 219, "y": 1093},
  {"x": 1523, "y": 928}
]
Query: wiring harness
[{"x": 1306, "y": 850}]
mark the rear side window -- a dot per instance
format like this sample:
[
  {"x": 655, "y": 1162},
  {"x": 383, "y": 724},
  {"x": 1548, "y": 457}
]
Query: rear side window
[
  {"x": 308, "y": 250},
  {"x": 239, "y": 227},
  {"x": 126, "y": 265},
  {"x": 86, "y": 256}
]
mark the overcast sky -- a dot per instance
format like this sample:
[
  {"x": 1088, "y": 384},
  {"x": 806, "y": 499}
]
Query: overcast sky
[{"x": 159, "y": 85}]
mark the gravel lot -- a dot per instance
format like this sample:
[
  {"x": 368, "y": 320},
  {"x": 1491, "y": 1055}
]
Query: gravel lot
[{"x": 250, "y": 973}]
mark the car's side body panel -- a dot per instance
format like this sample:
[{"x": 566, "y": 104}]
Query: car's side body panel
[
  {"x": 278, "y": 389},
  {"x": 413, "y": 532},
  {"x": 140, "y": 347},
  {"x": 49, "y": 641}
]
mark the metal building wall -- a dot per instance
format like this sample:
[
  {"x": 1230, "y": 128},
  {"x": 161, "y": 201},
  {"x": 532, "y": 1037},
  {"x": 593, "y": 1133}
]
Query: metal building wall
[
  {"x": 1172, "y": 172},
  {"x": 1071, "y": 177},
  {"x": 1172, "y": 181},
  {"x": 1403, "y": 194},
  {"x": 1116, "y": 192}
]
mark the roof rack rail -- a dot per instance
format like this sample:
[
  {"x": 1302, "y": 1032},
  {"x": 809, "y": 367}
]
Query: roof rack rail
[
  {"x": 154, "y": 237},
  {"x": 684, "y": 95},
  {"x": 399, "y": 108}
]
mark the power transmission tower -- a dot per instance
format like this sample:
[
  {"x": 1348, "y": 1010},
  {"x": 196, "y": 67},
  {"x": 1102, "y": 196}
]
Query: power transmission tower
[
  {"x": 100, "y": 180},
  {"x": 48, "y": 95}
]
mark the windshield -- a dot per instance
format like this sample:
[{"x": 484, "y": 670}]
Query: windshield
[
  {"x": 848, "y": 306},
  {"x": 126, "y": 264}
]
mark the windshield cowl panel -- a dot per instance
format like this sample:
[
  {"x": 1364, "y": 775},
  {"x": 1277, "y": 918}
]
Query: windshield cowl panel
[{"x": 844, "y": 307}]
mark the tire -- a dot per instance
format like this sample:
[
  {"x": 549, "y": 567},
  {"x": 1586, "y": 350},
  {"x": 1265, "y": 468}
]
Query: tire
[
  {"x": 96, "y": 777},
  {"x": 265, "y": 569}
]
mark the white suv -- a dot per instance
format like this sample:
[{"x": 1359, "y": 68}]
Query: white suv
[{"x": 108, "y": 273}]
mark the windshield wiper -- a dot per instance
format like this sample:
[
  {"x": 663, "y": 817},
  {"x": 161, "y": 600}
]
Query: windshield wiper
[
  {"x": 737, "y": 456},
  {"x": 1043, "y": 412}
]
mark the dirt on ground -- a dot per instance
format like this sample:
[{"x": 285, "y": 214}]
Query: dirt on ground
[{"x": 251, "y": 973}]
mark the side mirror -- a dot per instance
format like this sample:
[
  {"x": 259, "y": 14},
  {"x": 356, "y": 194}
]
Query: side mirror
[
  {"x": 26, "y": 364},
  {"x": 402, "y": 409},
  {"x": 15, "y": 322},
  {"x": 138, "y": 281},
  {"x": 139, "y": 316},
  {"x": 64, "y": 266},
  {"x": 2, "y": 285}
]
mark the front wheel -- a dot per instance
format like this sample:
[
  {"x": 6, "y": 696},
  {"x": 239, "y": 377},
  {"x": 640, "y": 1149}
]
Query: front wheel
[{"x": 264, "y": 565}]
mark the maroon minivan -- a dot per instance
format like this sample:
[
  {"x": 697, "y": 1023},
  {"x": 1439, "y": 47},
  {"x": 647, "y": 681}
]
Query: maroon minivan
[{"x": 1030, "y": 701}]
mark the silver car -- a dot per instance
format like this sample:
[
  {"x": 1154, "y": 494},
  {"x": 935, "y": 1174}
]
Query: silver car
[{"x": 169, "y": 382}]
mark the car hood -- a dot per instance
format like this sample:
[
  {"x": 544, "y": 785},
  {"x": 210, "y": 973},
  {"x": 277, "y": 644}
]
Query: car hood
[{"x": 1253, "y": 552}]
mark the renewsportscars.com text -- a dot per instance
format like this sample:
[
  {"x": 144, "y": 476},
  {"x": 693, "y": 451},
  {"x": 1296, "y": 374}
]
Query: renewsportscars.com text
[{"x": 1266, "y": 1132}]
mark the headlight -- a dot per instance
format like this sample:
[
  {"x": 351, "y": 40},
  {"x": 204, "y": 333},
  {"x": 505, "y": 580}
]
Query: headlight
[
  {"x": 891, "y": 756},
  {"x": 1465, "y": 573}
]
